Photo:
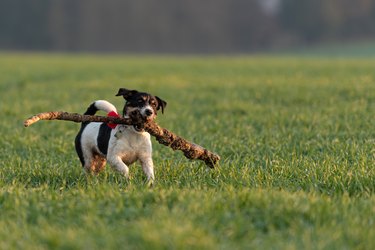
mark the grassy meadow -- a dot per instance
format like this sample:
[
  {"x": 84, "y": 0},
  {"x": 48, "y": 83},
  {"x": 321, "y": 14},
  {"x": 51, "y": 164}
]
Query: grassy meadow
[{"x": 296, "y": 136}]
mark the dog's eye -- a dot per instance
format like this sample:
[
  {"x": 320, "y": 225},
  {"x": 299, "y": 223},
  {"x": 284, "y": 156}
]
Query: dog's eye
[{"x": 140, "y": 100}]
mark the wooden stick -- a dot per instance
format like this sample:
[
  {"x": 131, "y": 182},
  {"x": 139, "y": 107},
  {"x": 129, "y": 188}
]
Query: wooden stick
[
  {"x": 75, "y": 117},
  {"x": 162, "y": 135}
]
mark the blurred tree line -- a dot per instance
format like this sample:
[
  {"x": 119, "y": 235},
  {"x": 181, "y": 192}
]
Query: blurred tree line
[{"x": 181, "y": 26}]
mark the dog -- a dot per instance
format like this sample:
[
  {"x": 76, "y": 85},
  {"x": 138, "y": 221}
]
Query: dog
[{"x": 97, "y": 143}]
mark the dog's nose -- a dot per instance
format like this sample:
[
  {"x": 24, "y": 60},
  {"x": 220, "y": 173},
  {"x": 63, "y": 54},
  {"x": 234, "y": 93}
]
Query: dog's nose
[{"x": 148, "y": 112}]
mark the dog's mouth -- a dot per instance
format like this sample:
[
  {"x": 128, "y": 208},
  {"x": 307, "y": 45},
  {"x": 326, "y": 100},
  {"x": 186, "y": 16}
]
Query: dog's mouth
[
  {"x": 140, "y": 118},
  {"x": 138, "y": 128}
]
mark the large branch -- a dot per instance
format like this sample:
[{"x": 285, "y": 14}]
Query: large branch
[
  {"x": 74, "y": 117},
  {"x": 162, "y": 135}
]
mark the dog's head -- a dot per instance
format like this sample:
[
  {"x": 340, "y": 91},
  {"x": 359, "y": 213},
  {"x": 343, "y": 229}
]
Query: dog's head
[{"x": 147, "y": 104}]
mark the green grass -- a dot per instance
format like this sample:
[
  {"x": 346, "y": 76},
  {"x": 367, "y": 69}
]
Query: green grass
[{"x": 296, "y": 137}]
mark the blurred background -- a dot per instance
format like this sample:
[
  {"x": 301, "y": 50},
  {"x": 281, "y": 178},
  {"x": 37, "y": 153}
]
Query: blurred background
[{"x": 183, "y": 26}]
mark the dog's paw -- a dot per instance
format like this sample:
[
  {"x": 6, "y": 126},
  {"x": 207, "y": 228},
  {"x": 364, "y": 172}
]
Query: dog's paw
[{"x": 150, "y": 183}]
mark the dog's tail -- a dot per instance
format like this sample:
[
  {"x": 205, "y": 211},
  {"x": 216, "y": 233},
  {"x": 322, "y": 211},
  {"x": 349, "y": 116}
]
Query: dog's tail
[{"x": 100, "y": 105}]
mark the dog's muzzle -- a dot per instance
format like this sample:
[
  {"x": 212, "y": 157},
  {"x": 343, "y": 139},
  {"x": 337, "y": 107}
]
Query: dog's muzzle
[{"x": 148, "y": 114}]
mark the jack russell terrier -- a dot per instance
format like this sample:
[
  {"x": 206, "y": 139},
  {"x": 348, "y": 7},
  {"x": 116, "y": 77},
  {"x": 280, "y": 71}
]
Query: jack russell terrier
[{"x": 120, "y": 145}]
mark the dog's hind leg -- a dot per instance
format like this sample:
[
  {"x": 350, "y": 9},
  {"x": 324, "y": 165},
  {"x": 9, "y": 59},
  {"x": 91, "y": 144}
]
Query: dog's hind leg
[
  {"x": 89, "y": 161},
  {"x": 98, "y": 163}
]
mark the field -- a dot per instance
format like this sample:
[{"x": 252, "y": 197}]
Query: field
[{"x": 296, "y": 136}]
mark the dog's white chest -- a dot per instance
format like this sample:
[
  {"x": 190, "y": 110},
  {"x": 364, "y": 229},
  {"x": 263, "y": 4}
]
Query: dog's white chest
[{"x": 130, "y": 145}]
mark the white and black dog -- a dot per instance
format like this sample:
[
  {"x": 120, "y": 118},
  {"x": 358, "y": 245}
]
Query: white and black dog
[{"x": 96, "y": 142}]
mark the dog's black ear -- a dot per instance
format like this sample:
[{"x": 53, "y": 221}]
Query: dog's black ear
[
  {"x": 126, "y": 93},
  {"x": 161, "y": 104}
]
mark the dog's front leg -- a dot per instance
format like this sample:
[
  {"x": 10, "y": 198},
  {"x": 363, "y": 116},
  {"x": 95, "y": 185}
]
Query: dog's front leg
[
  {"x": 148, "y": 169},
  {"x": 117, "y": 164}
]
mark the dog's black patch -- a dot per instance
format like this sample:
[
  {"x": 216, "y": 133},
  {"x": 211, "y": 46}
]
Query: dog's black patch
[
  {"x": 103, "y": 138},
  {"x": 78, "y": 146}
]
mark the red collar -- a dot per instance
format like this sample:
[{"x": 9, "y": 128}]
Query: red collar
[{"x": 112, "y": 114}]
